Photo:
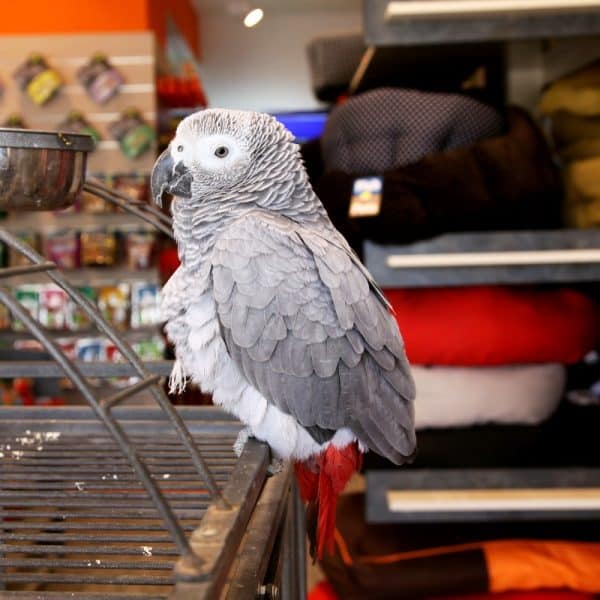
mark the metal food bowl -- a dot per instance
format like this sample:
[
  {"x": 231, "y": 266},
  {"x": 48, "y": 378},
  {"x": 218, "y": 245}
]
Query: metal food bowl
[{"x": 41, "y": 170}]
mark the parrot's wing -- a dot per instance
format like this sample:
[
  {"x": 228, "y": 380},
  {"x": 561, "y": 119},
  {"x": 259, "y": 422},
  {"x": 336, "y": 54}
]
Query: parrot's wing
[
  {"x": 301, "y": 320},
  {"x": 173, "y": 296}
]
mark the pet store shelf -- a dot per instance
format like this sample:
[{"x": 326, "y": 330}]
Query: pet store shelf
[
  {"x": 395, "y": 23},
  {"x": 48, "y": 369},
  {"x": 46, "y": 222},
  {"x": 429, "y": 496},
  {"x": 516, "y": 257}
]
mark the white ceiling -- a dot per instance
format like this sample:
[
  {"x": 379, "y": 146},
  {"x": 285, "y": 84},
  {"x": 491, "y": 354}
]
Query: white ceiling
[{"x": 238, "y": 7}]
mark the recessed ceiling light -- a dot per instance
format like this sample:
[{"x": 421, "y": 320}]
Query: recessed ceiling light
[{"x": 254, "y": 17}]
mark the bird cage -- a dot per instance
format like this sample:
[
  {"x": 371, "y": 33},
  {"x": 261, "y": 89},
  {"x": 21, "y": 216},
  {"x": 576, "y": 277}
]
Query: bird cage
[{"x": 115, "y": 501}]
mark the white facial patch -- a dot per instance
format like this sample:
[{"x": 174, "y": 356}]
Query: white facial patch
[{"x": 218, "y": 152}]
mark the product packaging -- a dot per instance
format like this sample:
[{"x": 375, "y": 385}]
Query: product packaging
[
  {"x": 38, "y": 79},
  {"x": 62, "y": 247},
  {"x": 100, "y": 79},
  {"x": 144, "y": 304}
]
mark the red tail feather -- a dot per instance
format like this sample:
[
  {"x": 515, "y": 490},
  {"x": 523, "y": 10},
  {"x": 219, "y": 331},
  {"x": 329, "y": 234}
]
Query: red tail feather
[{"x": 321, "y": 481}]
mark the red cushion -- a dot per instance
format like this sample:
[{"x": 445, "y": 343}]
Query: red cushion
[
  {"x": 495, "y": 325},
  {"x": 322, "y": 591}
]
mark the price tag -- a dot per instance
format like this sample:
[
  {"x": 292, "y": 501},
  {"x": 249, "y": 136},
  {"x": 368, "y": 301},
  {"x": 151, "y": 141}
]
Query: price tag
[{"x": 366, "y": 197}]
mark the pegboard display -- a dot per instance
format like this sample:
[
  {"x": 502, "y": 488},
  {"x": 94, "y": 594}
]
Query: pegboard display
[{"x": 131, "y": 54}]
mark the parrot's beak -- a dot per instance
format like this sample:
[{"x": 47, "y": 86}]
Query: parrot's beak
[{"x": 175, "y": 179}]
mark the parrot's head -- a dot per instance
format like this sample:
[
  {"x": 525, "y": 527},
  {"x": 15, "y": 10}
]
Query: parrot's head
[{"x": 217, "y": 151}]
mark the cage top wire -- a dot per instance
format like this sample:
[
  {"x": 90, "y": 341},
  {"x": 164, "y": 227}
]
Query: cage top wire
[{"x": 228, "y": 509}]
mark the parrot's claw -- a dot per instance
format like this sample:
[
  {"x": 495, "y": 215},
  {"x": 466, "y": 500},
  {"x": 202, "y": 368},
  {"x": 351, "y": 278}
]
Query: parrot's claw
[
  {"x": 240, "y": 442},
  {"x": 177, "y": 379},
  {"x": 275, "y": 467}
]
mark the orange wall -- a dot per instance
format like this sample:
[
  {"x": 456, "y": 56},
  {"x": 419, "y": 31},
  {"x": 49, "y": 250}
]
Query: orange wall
[{"x": 90, "y": 16}]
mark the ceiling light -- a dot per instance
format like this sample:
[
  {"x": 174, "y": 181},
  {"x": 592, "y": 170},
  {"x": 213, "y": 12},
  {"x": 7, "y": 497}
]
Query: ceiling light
[{"x": 254, "y": 17}]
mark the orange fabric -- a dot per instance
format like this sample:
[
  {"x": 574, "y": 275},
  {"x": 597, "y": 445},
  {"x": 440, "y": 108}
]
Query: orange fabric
[
  {"x": 538, "y": 595},
  {"x": 513, "y": 564},
  {"x": 381, "y": 559},
  {"x": 343, "y": 548},
  {"x": 529, "y": 564}
]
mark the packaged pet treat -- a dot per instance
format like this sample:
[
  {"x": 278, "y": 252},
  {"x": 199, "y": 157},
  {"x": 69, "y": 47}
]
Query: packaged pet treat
[
  {"x": 53, "y": 305},
  {"x": 113, "y": 303},
  {"x": 77, "y": 123},
  {"x": 135, "y": 187},
  {"x": 62, "y": 247},
  {"x": 135, "y": 136},
  {"x": 38, "y": 79},
  {"x": 90, "y": 349},
  {"x": 139, "y": 246},
  {"x": 28, "y": 295},
  {"x": 100, "y": 79},
  {"x": 76, "y": 319},
  {"x": 98, "y": 248},
  {"x": 150, "y": 349},
  {"x": 144, "y": 304},
  {"x": 31, "y": 238},
  {"x": 67, "y": 346}
]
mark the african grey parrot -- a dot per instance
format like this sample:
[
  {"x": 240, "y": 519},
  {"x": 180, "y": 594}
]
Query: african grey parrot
[{"x": 273, "y": 313}]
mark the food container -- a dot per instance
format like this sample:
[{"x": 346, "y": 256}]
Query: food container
[{"x": 41, "y": 170}]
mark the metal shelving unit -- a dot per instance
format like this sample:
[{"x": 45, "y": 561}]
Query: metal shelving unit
[
  {"x": 506, "y": 258},
  {"x": 511, "y": 257},
  {"x": 394, "y": 22},
  {"x": 394, "y": 31}
]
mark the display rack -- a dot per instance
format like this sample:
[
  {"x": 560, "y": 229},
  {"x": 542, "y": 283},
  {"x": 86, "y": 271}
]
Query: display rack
[
  {"x": 393, "y": 22},
  {"x": 510, "y": 257},
  {"x": 396, "y": 29},
  {"x": 504, "y": 258}
]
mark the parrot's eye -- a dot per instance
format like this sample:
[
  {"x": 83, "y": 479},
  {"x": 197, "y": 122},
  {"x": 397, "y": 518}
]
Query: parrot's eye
[
  {"x": 222, "y": 151},
  {"x": 180, "y": 148}
]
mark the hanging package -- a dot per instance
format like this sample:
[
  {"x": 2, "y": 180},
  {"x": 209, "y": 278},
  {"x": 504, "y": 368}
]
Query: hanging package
[
  {"x": 77, "y": 123},
  {"x": 135, "y": 136},
  {"x": 38, "y": 79},
  {"x": 100, "y": 79}
]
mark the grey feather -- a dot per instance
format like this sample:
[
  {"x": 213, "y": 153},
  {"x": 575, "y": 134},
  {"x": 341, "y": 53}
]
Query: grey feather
[
  {"x": 352, "y": 378},
  {"x": 299, "y": 314}
]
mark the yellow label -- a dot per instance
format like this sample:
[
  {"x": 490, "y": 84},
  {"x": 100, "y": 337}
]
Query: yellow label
[{"x": 43, "y": 86}]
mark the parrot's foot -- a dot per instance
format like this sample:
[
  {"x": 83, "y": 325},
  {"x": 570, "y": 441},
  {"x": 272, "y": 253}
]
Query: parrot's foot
[
  {"x": 276, "y": 466},
  {"x": 243, "y": 436},
  {"x": 177, "y": 379}
]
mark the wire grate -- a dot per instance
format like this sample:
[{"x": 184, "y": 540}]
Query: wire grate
[{"x": 73, "y": 513}]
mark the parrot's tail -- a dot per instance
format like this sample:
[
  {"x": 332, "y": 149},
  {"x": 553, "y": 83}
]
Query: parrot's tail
[{"x": 321, "y": 480}]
